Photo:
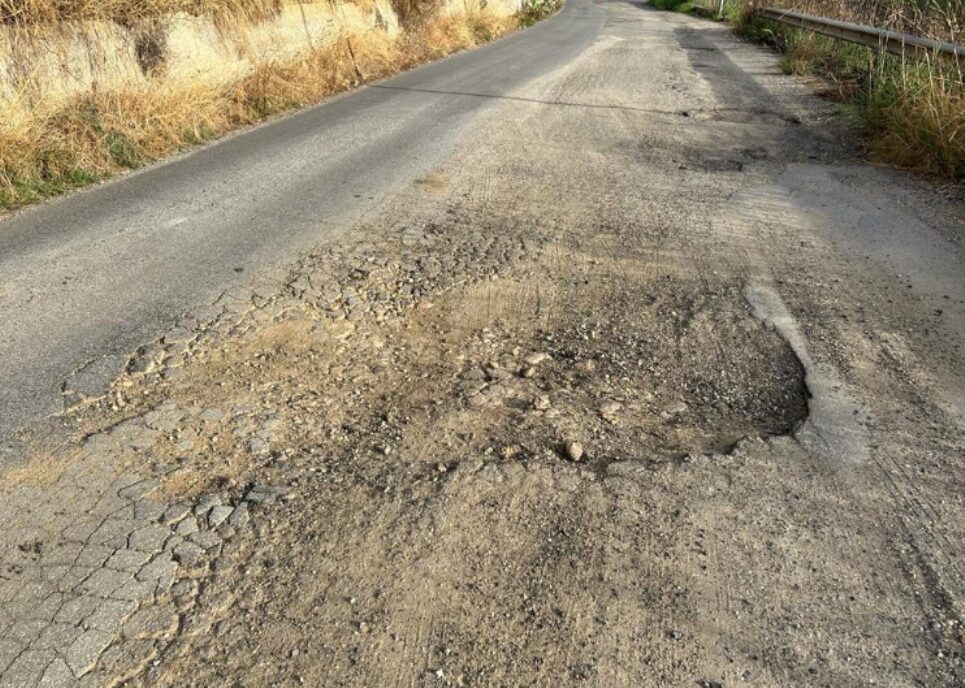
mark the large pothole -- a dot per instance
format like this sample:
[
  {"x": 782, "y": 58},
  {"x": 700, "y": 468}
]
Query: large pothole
[
  {"x": 447, "y": 342},
  {"x": 377, "y": 371}
]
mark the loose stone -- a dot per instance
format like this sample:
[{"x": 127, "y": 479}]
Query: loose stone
[
  {"x": 239, "y": 517},
  {"x": 264, "y": 494},
  {"x": 574, "y": 450}
]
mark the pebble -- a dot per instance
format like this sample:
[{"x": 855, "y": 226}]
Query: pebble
[
  {"x": 206, "y": 503},
  {"x": 509, "y": 451},
  {"x": 258, "y": 446},
  {"x": 494, "y": 372},
  {"x": 474, "y": 374},
  {"x": 574, "y": 450},
  {"x": 188, "y": 526},
  {"x": 239, "y": 517}
]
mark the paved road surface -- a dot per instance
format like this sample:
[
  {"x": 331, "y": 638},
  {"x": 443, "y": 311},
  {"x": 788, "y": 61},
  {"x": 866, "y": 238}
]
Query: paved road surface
[
  {"x": 597, "y": 357},
  {"x": 97, "y": 274}
]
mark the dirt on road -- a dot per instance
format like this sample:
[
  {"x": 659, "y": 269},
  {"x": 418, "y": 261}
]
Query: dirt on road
[{"x": 641, "y": 389}]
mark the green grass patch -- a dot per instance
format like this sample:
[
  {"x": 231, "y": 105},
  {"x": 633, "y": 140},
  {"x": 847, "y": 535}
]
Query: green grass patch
[
  {"x": 198, "y": 134},
  {"x": 122, "y": 151},
  {"x": 22, "y": 191}
]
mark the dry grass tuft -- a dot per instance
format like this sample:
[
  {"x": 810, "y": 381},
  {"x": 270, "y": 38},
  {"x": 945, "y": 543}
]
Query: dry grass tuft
[
  {"x": 50, "y": 11},
  {"x": 916, "y": 117},
  {"x": 442, "y": 34}
]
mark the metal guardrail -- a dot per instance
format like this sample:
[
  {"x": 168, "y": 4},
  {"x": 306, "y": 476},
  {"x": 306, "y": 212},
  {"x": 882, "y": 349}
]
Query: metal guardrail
[{"x": 880, "y": 39}]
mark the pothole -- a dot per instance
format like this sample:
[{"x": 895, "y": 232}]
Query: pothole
[
  {"x": 390, "y": 367},
  {"x": 834, "y": 426},
  {"x": 651, "y": 372},
  {"x": 699, "y": 152},
  {"x": 414, "y": 352}
]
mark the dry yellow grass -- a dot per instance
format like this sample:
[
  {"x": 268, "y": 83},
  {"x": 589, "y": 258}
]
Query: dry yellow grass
[
  {"x": 41, "y": 11},
  {"x": 101, "y": 133},
  {"x": 441, "y": 34}
]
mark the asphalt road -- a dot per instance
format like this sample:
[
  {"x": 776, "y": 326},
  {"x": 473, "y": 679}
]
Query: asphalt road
[
  {"x": 87, "y": 279},
  {"x": 648, "y": 242}
]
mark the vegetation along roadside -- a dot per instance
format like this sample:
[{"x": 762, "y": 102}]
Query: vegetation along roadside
[
  {"x": 90, "y": 88},
  {"x": 912, "y": 110}
]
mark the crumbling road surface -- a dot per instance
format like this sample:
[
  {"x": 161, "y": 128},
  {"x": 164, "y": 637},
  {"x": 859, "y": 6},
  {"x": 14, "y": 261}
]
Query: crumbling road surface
[{"x": 645, "y": 379}]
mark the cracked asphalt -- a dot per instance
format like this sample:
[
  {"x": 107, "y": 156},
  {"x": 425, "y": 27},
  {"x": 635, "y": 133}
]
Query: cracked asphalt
[
  {"x": 597, "y": 356},
  {"x": 85, "y": 280}
]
